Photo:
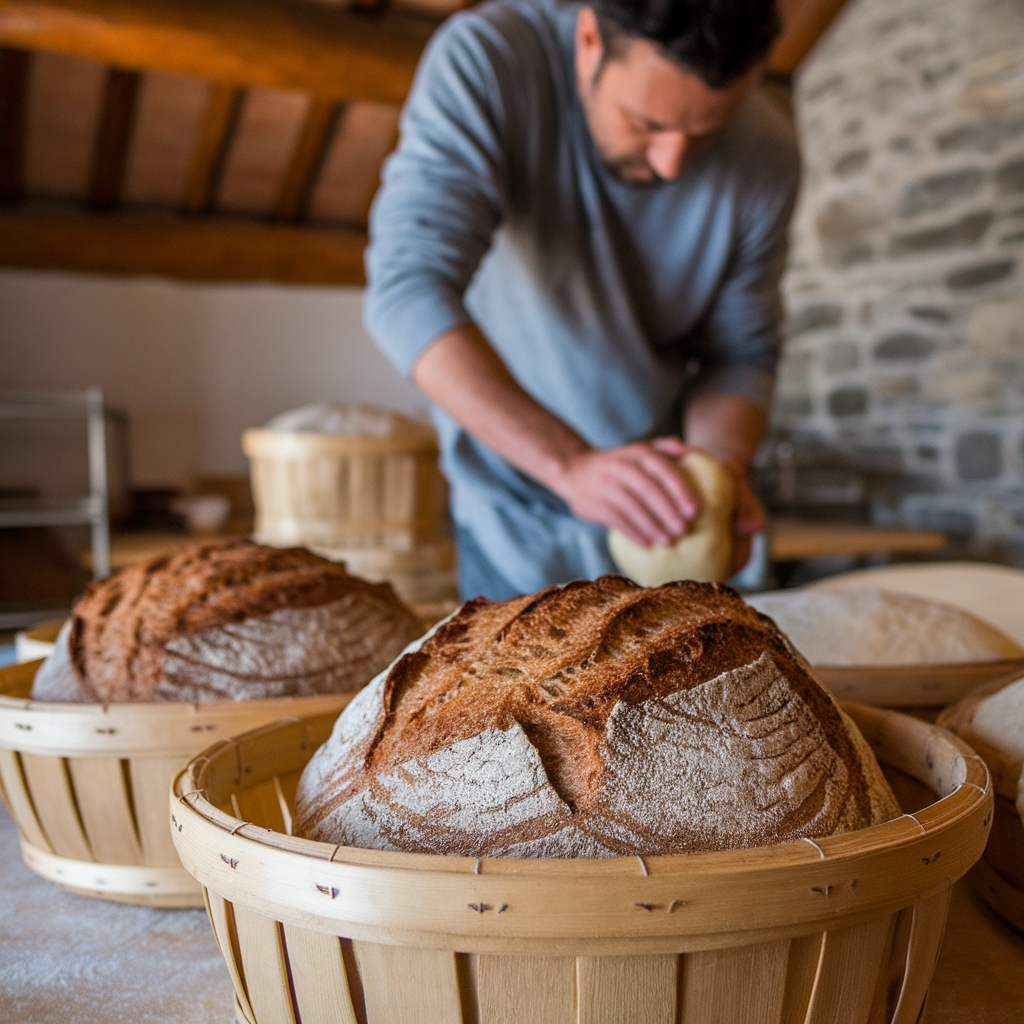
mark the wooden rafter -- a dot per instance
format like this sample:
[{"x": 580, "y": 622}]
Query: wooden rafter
[
  {"x": 328, "y": 52},
  {"x": 211, "y": 146},
  {"x": 110, "y": 153},
  {"x": 300, "y": 177},
  {"x": 191, "y": 249},
  {"x": 13, "y": 93}
]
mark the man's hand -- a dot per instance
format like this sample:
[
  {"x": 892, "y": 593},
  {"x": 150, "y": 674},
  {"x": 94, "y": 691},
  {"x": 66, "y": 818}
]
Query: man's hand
[
  {"x": 636, "y": 488},
  {"x": 749, "y": 519}
]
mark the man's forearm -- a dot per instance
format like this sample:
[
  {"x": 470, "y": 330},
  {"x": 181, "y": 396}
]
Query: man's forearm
[
  {"x": 726, "y": 426},
  {"x": 463, "y": 374}
]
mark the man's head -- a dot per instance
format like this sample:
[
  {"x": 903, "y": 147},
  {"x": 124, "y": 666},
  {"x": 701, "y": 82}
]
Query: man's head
[{"x": 659, "y": 78}]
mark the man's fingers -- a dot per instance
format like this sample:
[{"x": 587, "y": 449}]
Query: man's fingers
[
  {"x": 649, "y": 487},
  {"x": 634, "y": 520},
  {"x": 667, "y": 474}
]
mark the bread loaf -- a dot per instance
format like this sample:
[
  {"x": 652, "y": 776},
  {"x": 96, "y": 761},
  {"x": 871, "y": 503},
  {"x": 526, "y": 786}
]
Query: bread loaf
[
  {"x": 865, "y": 626},
  {"x": 593, "y": 720},
  {"x": 225, "y": 620},
  {"x": 704, "y": 552}
]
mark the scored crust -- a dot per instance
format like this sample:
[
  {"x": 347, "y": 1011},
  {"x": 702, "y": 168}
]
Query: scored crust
[
  {"x": 589, "y": 674},
  {"x": 121, "y": 627}
]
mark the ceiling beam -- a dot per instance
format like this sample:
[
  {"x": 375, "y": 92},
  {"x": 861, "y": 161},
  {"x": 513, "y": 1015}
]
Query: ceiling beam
[
  {"x": 187, "y": 249},
  {"x": 327, "y": 51}
]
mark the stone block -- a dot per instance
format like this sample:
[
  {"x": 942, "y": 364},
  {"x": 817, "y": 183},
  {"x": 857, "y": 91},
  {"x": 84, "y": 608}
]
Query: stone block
[
  {"x": 793, "y": 405},
  {"x": 896, "y": 388},
  {"x": 852, "y": 401},
  {"x": 983, "y": 135},
  {"x": 939, "y": 190},
  {"x": 851, "y": 163},
  {"x": 841, "y": 357},
  {"x": 849, "y": 218},
  {"x": 930, "y": 314},
  {"x": 1010, "y": 176},
  {"x": 814, "y": 318},
  {"x": 978, "y": 455},
  {"x": 906, "y": 345},
  {"x": 968, "y": 230},
  {"x": 980, "y": 274},
  {"x": 996, "y": 327}
]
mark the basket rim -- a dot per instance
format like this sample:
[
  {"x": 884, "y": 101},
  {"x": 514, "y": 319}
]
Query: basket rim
[
  {"x": 258, "y": 442},
  {"x": 409, "y": 898},
  {"x": 144, "y": 729}
]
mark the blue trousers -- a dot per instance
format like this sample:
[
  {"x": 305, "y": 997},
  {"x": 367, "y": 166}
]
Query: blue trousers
[{"x": 477, "y": 576}]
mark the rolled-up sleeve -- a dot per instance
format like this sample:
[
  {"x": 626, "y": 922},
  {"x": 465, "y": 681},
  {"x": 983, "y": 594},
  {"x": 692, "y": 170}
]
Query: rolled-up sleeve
[
  {"x": 739, "y": 345},
  {"x": 440, "y": 200}
]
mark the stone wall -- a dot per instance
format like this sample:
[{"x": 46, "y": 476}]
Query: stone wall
[{"x": 905, "y": 339}]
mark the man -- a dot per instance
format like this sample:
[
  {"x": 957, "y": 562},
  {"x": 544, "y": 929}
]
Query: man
[{"x": 576, "y": 253}]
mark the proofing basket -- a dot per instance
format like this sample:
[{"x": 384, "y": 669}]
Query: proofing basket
[
  {"x": 87, "y": 783},
  {"x": 845, "y": 930}
]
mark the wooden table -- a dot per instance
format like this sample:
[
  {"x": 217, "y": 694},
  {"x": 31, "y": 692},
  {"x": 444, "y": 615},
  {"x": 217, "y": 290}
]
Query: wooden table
[
  {"x": 68, "y": 959},
  {"x": 793, "y": 539}
]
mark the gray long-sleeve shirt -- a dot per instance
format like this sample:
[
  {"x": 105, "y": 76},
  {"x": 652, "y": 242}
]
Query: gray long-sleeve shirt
[{"x": 601, "y": 296}]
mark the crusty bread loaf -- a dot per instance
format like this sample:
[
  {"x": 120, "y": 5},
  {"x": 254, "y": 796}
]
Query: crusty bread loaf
[
  {"x": 226, "y": 620},
  {"x": 593, "y": 720},
  {"x": 866, "y": 626}
]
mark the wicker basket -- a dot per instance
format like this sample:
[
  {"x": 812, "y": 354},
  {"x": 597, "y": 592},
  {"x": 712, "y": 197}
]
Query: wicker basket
[
  {"x": 348, "y": 492},
  {"x": 999, "y": 875},
  {"x": 87, "y": 784},
  {"x": 846, "y": 929}
]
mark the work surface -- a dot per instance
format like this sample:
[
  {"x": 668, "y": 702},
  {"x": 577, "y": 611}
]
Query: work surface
[{"x": 68, "y": 959}]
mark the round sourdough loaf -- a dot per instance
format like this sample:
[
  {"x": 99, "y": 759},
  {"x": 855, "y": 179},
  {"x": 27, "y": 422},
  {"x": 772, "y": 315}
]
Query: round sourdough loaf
[
  {"x": 598, "y": 719},
  {"x": 225, "y": 620}
]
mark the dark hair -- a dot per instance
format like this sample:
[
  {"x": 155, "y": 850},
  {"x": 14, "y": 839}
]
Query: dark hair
[{"x": 718, "y": 40}]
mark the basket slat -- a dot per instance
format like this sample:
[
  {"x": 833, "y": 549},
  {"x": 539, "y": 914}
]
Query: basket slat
[
  {"x": 929, "y": 923},
  {"x": 222, "y": 920},
  {"x": 539, "y": 989},
  {"x": 151, "y": 776},
  {"x": 638, "y": 989},
  {"x": 318, "y": 976},
  {"x": 849, "y": 967},
  {"x": 54, "y": 800},
  {"x": 19, "y": 799},
  {"x": 103, "y": 803},
  {"x": 408, "y": 986},
  {"x": 801, "y": 970},
  {"x": 260, "y": 804},
  {"x": 264, "y": 967},
  {"x": 894, "y": 967},
  {"x": 746, "y": 985}
]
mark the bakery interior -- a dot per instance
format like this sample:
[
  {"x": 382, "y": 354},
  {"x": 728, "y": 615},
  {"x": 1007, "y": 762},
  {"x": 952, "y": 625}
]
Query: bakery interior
[{"x": 185, "y": 191}]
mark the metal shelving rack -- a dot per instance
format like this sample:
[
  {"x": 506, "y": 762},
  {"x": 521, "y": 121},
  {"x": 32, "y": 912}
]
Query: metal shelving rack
[{"x": 87, "y": 510}]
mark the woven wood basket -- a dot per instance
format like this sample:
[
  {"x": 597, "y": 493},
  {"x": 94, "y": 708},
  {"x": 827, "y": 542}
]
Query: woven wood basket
[
  {"x": 999, "y": 875},
  {"x": 87, "y": 784},
  {"x": 348, "y": 492},
  {"x": 914, "y": 686},
  {"x": 845, "y": 930}
]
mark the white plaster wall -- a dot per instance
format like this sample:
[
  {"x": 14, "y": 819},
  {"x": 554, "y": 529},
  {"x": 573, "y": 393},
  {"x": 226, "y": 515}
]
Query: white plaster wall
[{"x": 193, "y": 366}]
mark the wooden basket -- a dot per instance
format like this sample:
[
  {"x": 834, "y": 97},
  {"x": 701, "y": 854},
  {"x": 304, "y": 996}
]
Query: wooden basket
[
  {"x": 914, "y": 686},
  {"x": 348, "y": 492},
  {"x": 999, "y": 875},
  {"x": 87, "y": 784},
  {"x": 845, "y": 929}
]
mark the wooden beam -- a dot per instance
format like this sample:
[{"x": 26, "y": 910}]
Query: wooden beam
[
  {"x": 110, "y": 155},
  {"x": 307, "y": 160},
  {"x": 190, "y": 249},
  {"x": 14, "y": 66},
  {"x": 326, "y": 51},
  {"x": 211, "y": 148},
  {"x": 803, "y": 24}
]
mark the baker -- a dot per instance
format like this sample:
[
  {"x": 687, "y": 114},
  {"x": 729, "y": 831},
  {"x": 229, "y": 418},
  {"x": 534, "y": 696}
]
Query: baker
[{"x": 575, "y": 253}]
